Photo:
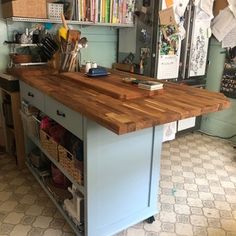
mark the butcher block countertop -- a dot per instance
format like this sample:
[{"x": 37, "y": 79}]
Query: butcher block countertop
[{"x": 118, "y": 106}]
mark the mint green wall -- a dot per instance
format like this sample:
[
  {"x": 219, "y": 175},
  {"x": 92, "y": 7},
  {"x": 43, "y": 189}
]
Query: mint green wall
[
  {"x": 102, "y": 42},
  {"x": 221, "y": 123},
  {"x": 3, "y": 48}
]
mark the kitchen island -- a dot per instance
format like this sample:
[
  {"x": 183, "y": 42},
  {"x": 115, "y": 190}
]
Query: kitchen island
[{"x": 121, "y": 127}]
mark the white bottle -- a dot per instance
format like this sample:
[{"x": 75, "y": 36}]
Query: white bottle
[
  {"x": 88, "y": 65},
  {"x": 94, "y": 65}
]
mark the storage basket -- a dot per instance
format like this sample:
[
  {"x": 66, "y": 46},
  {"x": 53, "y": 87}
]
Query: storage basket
[
  {"x": 24, "y": 8},
  {"x": 30, "y": 125},
  {"x": 54, "y": 10},
  {"x": 70, "y": 164},
  {"x": 48, "y": 144}
]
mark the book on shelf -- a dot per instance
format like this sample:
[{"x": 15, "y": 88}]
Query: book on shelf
[
  {"x": 102, "y": 11},
  {"x": 150, "y": 85}
]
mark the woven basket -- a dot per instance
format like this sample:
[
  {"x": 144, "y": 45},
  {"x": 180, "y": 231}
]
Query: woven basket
[
  {"x": 68, "y": 161},
  {"x": 49, "y": 144}
]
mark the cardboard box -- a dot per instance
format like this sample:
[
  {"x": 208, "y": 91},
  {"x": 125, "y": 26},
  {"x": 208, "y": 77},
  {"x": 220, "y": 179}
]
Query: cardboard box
[
  {"x": 219, "y": 5},
  {"x": 24, "y": 8}
]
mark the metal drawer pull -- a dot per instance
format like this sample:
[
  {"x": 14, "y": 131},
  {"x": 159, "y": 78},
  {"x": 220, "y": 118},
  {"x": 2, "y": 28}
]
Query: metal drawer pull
[
  {"x": 59, "y": 113},
  {"x": 30, "y": 94}
]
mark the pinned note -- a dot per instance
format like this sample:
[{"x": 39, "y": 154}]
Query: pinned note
[
  {"x": 223, "y": 24},
  {"x": 167, "y": 16},
  {"x": 229, "y": 40},
  {"x": 169, "y": 3},
  {"x": 207, "y": 7},
  {"x": 180, "y": 7}
]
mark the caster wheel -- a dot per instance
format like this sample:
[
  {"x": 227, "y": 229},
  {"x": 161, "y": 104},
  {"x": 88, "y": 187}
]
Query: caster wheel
[{"x": 150, "y": 220}]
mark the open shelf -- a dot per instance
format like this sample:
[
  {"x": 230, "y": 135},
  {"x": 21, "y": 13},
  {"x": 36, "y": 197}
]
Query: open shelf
[
  {"x": 69, "y": 22},
  {"x": 58, "y": 165},
  {"x": 58, "y": 206}
]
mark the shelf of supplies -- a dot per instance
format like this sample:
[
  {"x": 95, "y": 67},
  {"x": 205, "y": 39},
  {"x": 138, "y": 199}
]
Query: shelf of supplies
[
  {"x": 58, "y": 165},
  {"x": 58, "y": 206},
  {"x": 69, "y": 22}
]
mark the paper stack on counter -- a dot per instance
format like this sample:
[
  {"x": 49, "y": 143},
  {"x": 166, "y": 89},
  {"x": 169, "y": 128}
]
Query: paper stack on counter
[{"x": 150, "y": 85}]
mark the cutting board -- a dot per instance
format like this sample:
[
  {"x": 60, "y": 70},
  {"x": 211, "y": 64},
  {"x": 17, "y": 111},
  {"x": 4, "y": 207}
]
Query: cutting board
[{"x": 111, "y": 85}]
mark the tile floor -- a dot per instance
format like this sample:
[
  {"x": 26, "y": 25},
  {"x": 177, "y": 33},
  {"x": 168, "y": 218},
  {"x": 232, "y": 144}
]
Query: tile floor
[{"x": 197, "y": 194}]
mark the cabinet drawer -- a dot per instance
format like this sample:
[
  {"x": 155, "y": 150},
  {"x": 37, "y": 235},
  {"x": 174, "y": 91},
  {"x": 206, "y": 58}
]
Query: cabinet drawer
[
  {"x": 32, "y": 96},
  {"x": 66, "y": 117}
]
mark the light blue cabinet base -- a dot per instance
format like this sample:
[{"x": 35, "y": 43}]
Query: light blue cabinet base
[{"x": 122, "y": 177}]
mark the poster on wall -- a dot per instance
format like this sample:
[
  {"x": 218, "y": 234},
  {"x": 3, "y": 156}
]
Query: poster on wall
[
  {"x": 199, "y": 47},
  {"x": 169, "y": 45},
  {"x": 169, "y": 52}
]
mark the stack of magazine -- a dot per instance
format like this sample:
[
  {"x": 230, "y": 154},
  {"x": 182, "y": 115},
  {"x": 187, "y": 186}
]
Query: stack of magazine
[{"x": 150, "y": 85}]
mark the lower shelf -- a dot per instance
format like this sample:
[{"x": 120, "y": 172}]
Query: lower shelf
[{"x": 58, "y": 206}]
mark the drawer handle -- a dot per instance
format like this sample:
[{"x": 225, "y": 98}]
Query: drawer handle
[
  {"x": 59, "y": 113},
  {"x": 30, "y": 94}
]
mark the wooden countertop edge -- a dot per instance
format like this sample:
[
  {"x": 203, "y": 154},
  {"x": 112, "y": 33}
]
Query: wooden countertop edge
[{"x": 122, "y": 128}]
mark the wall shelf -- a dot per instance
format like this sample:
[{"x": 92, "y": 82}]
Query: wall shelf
[{"x": 69, "y": 22}]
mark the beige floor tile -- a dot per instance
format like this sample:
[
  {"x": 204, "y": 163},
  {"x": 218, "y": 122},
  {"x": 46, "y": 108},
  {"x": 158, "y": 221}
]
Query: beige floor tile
[
  {"x": 199, "y": 231},
  {"x": 184, "y": 229},
  {"x": 28, "y": 199},
  {"x": 211, "y": 213},
  {"x": 217, "y": 190},
  {"x": 182, "y": 209},
  {"x": 168, "y": 217},
  {"x": 17, "y": 181},
  {"x": 34, "y": 210},
  {"x": 181, "y": 193},
  {"x": 231, "y": 198},
  {"x": 184, "y": 219},
  {"x": 227, "y": 184},
  {"x": 42, "y": 222},
  {"x": 224, "y": 206},
  {"x": 13, "y": 218},
  {"x": 212, "y": 177},
  {"x": 226, "y": 214},
  {"x": 5, "y": 229},
  {"x": 28, "y": 220},
  {"x": 53, "y": 232},
  {"x": 22, "y": 189},
  {"x": 168, "y": 227},
  {"x": 197, "y": 220},
  {"x": 36, "y": 232},
  {"x": 57, "y": 223},
  {"x": 4, "y": 195},
  {"x": 221, "y": 172},
  {"x": 20, "y": 230},
  {"x": 214, "y": 223},
  {"x": 229, "y": 225},
  {"x": 166, "y": 184},
  {"x": 135, "y": 232},
  {"x": 164, "y": 234},
  {"x": 191, "y": 187},
  {"x": 215, "y": 232},
  {"x": 8, "y": 206},
  {"x": 167, "y": 199},
  {"x": 206, "y": 196},
  {"x": 194, "y": 202}
]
